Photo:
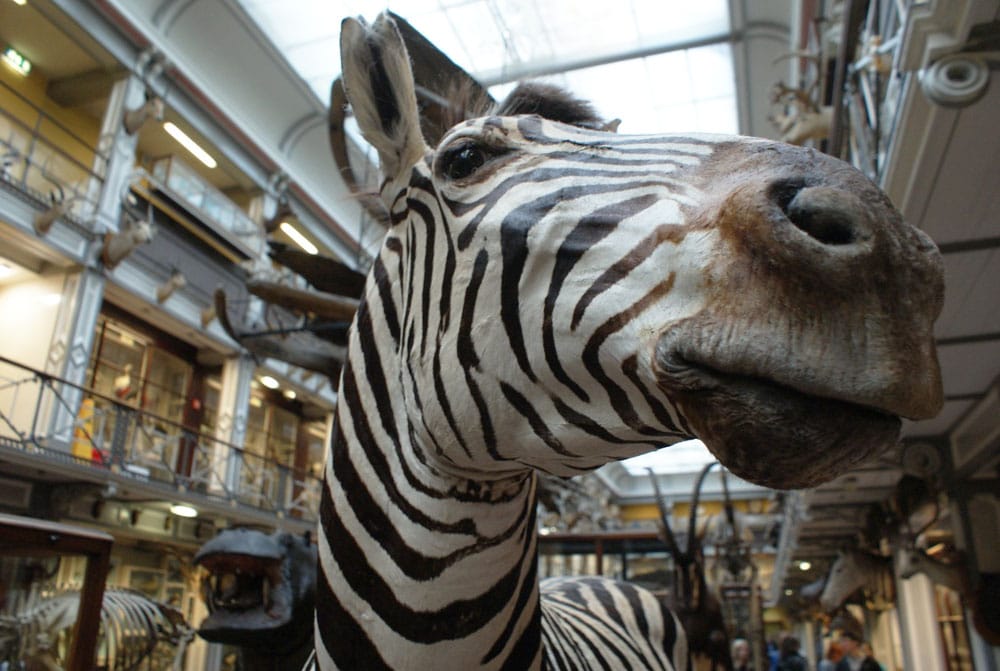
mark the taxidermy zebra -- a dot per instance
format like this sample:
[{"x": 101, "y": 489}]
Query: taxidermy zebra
[{"x": 551, "y": 297}]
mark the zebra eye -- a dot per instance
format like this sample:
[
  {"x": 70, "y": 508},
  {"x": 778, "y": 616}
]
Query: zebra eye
[{"x": 462, "y": 161}]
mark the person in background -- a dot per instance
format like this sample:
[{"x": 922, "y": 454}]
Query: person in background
[
  {"x": 830, "y": 659},
  {"x": 868, "y": 653},
  {"x": 741, "y": 654},
  {"x": 854, "y": 658},
  {"x": 774, "y": 649},
  {"x": 771, "y": 654},
  {"x": 790, "y": 659}
]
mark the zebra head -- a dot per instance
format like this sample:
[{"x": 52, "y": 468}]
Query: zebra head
[{"x": 558, "y": 296}]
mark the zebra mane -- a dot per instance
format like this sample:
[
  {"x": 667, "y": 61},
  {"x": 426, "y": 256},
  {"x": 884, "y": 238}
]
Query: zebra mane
[
  {"x": 466, "y": 101},
  {"x": 550, "y": 102}
]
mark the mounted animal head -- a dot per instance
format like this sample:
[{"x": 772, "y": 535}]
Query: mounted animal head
[
  {"x": 954, "y": 576},
  {"x": 260, "y": 590},
  {"x": 600, "y": 295},
  {"x": 915, "y": 506},
  {"x": 694, "y": 601},
  {"x": 852, "y": 570},
  {"x": 119, "y": 245}
]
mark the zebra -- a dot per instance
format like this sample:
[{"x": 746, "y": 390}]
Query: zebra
[{"x": 550, "y": 297}]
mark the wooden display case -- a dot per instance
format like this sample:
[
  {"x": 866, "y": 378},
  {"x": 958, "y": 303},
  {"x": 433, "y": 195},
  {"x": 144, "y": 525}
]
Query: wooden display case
[{"x": 31, "y": 552}]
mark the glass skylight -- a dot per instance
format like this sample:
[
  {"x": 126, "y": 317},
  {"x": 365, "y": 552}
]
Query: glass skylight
[
  {"x": 623, "y": 56},
  {"x": 688, "y": 456}
]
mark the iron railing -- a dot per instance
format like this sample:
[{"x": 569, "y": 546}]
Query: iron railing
[
  {"x": 104, "y": 433},
  {"x": 45, "y": 159}
]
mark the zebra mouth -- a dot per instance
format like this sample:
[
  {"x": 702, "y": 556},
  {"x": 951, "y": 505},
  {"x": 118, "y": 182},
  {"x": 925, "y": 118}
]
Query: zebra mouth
[
  {"x": 771, "y": 434},
  {"x": 242, "y": 592}
]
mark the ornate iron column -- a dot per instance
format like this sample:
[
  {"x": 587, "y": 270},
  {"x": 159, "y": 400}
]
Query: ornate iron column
[{"x": 83, "y": 292}]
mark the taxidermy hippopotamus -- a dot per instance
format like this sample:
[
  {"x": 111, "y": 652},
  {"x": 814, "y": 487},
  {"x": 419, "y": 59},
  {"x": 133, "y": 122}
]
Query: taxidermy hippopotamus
[{"x": 260, "y": 591}]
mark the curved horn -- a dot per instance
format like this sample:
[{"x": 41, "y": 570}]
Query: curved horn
[
  {"x": 695, "y": 497},
  {"x": 668, "y": 533}
]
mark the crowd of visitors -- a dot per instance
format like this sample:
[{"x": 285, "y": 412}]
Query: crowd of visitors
[{"x": 848, "y": 652}]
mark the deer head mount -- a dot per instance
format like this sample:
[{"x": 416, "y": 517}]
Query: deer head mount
[{"x": 135, "y": 119}]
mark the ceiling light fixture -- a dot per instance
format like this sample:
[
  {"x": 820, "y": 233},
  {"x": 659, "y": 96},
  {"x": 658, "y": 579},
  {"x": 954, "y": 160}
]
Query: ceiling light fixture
[
  {"x": 16, "y": 60},
  {"x": 290, "y": 394},
  {"x": 183, "y": 510},
  {"x": 21, "y": 2},
  {"x": 269, "y": 382},
  {"x": 804, "y": 566},
  {"x": 189, "y": 144},
  {"x": 936, "y": 549},
  {"x": 298, "y": 238}
]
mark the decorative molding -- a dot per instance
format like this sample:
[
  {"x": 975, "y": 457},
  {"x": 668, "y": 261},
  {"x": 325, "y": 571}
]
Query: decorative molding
[
  {"x": 298, "y": 129},
  {"x": 168, "y": 12}
]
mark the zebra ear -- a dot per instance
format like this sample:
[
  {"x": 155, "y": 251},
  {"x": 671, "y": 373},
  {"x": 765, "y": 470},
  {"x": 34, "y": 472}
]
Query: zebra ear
[{"x": 379, "y": 85}]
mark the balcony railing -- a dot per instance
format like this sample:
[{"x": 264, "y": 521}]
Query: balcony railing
[
  {"x": 46, "y": 160},
  {"x": 209, "y": 206},
  {"x": 38, "y": 417}
]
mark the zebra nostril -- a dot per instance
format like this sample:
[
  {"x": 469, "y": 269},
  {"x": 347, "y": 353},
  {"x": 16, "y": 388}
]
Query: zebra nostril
[{"x": 829, "y": 216}]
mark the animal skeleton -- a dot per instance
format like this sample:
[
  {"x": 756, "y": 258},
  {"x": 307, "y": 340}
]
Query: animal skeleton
[{"x": 132, "y": 627}]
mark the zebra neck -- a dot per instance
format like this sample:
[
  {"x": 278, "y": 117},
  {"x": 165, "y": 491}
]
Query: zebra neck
[{"x": 420, "y": 566}]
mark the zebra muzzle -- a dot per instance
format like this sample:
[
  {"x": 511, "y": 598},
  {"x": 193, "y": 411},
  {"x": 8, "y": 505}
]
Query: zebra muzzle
[{"x": 769, "y": 433}]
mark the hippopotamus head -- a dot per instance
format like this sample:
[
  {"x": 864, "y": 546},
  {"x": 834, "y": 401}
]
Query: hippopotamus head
[{"x": 260, "y": 589}]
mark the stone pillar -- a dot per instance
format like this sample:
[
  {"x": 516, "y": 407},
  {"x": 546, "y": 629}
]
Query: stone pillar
[
  {"x": 985, "y": 657},
  {"x": 919, "y": 631},
  {"x": 231, "y": 427},
  {"x": 807, "y": 639},
  {"x": 976, "y": 534},
  {"x": 70, "y": 351}
]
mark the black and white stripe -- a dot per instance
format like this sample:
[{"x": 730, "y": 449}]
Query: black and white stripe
[
  {"x": 498, "y": 335},
  {"x": 551, "y": 298}
]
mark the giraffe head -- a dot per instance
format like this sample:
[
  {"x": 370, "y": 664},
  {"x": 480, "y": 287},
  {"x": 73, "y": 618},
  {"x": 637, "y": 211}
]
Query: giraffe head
[{"x": 569, "y": 296}]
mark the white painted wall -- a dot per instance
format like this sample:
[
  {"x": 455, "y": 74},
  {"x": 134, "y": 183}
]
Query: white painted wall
[{"x": 28, "y": 310}]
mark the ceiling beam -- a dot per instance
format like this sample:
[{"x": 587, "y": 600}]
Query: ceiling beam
[
  {"x": 968, "y": 339},
  {"x": 524, "y": 71},
  {"x": 84, "y": 88},
  {"x": 974, "y": 245}
]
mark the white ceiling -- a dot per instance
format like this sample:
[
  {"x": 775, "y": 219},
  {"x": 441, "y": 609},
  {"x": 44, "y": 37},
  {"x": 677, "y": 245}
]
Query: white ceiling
[{"x": 499, "y": 41}]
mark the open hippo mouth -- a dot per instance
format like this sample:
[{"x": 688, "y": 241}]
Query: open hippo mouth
[
  {"x": 770, "y": 433},
  {"x": 244, "y": 593},
  {"x": 239, "y": 583}
]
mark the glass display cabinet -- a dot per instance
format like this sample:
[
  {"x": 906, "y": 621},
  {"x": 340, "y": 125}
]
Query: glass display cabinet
[
  {"x": 635, "y": 555},
  {"x": 51, "y": 589}
]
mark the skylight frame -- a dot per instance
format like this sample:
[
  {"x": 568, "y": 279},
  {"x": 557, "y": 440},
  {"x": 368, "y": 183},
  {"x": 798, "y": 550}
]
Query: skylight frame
[{"x": 306, "y": 32}]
